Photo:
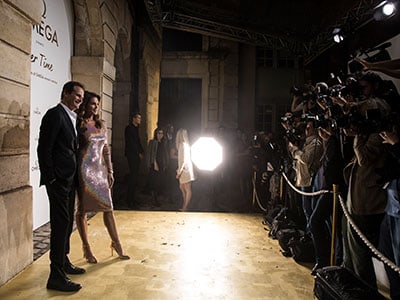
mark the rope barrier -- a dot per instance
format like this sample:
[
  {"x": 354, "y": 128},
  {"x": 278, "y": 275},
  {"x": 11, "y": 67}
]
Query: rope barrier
[
  {"x": 381, "y": 257},
  {"x": 305, "y": 193},
  {"x": 255, "y": 194}
]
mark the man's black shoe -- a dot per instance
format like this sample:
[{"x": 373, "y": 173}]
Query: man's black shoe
[
  {"x": 73, "y": 270},
  {"x": 64, "y": 285}
]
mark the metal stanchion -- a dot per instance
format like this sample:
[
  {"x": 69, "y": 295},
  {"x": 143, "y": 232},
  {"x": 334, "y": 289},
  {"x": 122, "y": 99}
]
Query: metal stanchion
[
  {"x": 281, "y": 188},
  {"x": 334, "y": 213},
  {"x": 254, "y": 187}
]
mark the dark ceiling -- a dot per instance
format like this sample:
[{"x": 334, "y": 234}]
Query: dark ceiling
[
  {"x": 302, "y": 26},
  {"x": 297, "y": 19}
]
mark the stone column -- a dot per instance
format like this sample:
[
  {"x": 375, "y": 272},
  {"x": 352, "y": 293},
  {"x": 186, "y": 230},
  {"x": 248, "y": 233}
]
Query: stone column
[
  {"x": 16, "y": 244},
  {"x": 98, "y": 76}
]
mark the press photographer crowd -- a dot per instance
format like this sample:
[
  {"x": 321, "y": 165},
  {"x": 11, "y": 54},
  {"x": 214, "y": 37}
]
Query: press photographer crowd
[{"x": 344, "y": 132}]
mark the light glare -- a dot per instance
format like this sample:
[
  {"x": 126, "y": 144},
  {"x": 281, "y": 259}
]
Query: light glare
[
  {"x": 337, "y": 38},
  {"x": 206, "y": 153},
  {"x": 388, "y": 9}
]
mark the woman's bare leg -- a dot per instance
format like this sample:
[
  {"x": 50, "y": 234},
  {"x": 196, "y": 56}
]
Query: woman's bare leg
[{"x": 187, "y": 195}]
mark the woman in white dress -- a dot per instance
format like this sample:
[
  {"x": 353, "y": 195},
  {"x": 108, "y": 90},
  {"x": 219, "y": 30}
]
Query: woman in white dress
[{"x": 184, "y": 172}]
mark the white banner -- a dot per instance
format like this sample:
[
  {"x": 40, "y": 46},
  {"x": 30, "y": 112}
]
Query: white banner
[{"x": 52, "y": 46}]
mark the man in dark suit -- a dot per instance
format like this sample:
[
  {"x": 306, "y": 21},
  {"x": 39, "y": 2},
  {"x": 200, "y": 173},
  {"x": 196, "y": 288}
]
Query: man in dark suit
[
  {"x": 57, "y": 160},
  {"x": 134, "y": 154}
]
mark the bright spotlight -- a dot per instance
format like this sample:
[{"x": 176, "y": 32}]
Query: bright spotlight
[
  {"x": 337, "y": 38},
  {"x": 337, "y": 35},
  {"x": 206, "y": 153},
  {"x": 388, "y": 9},
  {"x": 385, "y": 10}
]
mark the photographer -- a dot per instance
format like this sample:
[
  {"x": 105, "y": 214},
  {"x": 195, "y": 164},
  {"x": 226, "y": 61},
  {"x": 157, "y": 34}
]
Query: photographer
[
  {"x": 330, "y": 173},
  {"x": 389, "y": 239},
  {"x": 303, "y": 99},
  {"x": 307, "y": 162},
  {"x": 372, "y": 85},
  {"x": 366, "y": 199},
  {"x": 259, "y": 164}
]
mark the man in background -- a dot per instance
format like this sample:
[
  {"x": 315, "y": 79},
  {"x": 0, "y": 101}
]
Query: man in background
[{"x": 134, "y": 154}]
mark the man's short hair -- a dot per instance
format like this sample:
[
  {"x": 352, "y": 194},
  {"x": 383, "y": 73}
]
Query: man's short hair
[
  {"x": 69, "y": 87},
  {"x": 135, "y": 114}
]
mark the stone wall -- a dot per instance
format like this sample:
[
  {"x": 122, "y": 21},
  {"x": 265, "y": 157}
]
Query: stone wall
[
  {"x": 217, "y": 66},
  {"x": 16, "y": 251},
  {"x": 98, "y": 28},
  {"x": 149, "y": 81},
  {"x": 103, "y": 63}
]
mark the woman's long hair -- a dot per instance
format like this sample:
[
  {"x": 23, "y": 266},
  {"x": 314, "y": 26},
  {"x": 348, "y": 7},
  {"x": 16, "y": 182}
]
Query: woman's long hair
[
  {"x": 181, "y": 137},
  {"x": 155, "y": 132},
  {"x": 82, "y": 112}
]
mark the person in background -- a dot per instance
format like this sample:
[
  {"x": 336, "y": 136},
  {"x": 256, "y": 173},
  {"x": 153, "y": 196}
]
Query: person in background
[
  {"x": 172, "y": 185},
  {"x": 184, "y": 173},
  {"x": 56, "y": 150},
  {"x": 389, "y": 238},
  {"x": 366, "y": 198},
  {"x": 330, "y": 173},
  {"x": 374, "y": 86},
  {"x": 156, "y": 162},
  {"x": 134, "y": 154},
  {"x": 95, "y": 174}
]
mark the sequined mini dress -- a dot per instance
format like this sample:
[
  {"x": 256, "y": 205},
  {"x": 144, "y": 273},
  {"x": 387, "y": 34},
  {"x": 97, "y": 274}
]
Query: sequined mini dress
[{"x": 94, "y": 164}]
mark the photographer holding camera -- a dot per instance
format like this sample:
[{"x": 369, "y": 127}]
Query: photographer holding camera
[
  {"x": 366, "y": 199},
  {"x": 389, "y": 238},
  {"x": 330, "y": 173},
  {"x": 307, "y": 162},
  {"x": 303, "y": 99},
  {"x": 372, "y": 85}
]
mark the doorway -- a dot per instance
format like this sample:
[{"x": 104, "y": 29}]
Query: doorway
[{"x": 180, "y": 104}]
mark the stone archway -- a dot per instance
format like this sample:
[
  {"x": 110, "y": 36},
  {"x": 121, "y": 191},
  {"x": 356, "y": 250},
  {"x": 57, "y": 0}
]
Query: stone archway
[
  {"x": 122, "y": 92},
  {"x": 88, "y": 29}
]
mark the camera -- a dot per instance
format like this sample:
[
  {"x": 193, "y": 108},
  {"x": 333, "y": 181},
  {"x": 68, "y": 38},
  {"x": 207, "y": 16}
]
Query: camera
[{"x": 318, "y": 120}]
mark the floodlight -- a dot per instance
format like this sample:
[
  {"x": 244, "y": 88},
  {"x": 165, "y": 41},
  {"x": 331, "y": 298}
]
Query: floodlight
[
  {"x": 206, "y": 153},
  {"x": 388, "y": 9},
  {"x": 385, "y": 10}
]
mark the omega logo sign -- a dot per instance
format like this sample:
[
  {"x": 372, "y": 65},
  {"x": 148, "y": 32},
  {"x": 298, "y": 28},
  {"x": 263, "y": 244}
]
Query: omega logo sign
[{"x": 45, "y": 30}]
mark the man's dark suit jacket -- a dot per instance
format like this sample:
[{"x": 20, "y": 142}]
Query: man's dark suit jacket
[
  {"x": 57, "y": 147},
  {"x": 133, "y": 146}
]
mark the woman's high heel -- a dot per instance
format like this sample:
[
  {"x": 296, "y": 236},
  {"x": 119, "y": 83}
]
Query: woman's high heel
[
  {"x": 117, "y": 247},
  {"x": 87, "y": 253}
]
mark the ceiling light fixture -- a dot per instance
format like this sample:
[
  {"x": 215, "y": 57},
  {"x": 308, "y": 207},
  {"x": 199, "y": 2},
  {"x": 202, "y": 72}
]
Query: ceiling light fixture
[
  {"x": 385, "y": 10},
  {"x": 388, "y": 9},
  {"x": 337, "y": 35}
]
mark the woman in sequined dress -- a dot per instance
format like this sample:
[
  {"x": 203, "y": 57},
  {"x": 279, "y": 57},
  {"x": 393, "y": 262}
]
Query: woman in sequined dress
[{"x": 95, "y": 175}]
